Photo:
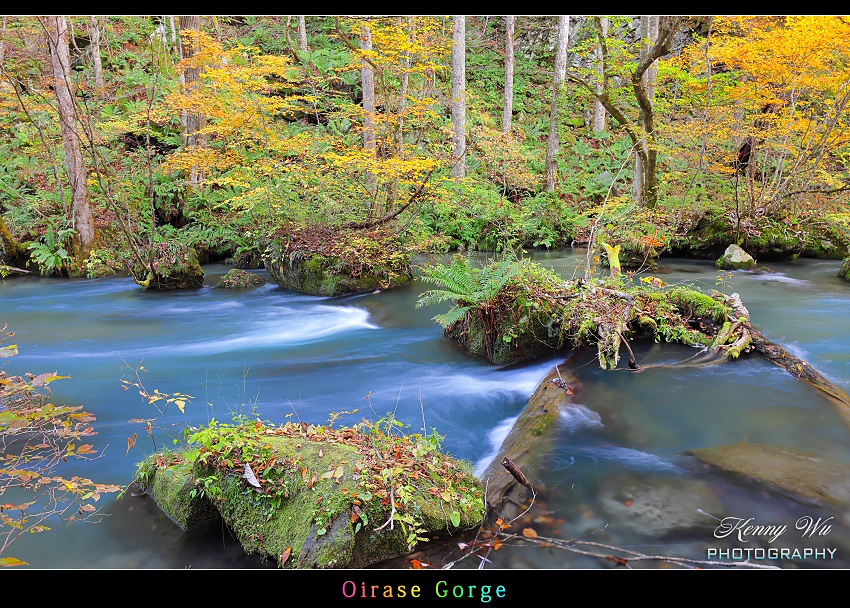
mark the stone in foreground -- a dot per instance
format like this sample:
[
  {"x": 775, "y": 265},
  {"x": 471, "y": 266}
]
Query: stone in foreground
[{"x": 314, "y": 497}]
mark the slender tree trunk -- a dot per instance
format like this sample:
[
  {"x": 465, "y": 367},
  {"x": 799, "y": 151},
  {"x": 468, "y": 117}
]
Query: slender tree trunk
[
  {"x": 95, "y": 54},
  {"x": 405, "y": 85},
  {"x": 190, "y": 80},
  {"x": 367, "y": 77},
  {"x": 302, "y": 33},
  {"x": 507, "y": 114},
  {"x": 173, "y": 33},
  {"x": 599, "y": 112},
  {"x": 57, "y": 42},
  {"x": 558, "y": 80},
  {"x": 3, "y": 41},
  {"x": 644, "y": 177},
  {"x": 459, "y": 97}
]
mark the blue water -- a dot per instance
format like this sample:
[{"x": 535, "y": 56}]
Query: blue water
[{"x": 283, "y": 356}]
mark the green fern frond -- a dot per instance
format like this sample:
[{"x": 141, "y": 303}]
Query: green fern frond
[
  {"x": 466, "y": 284},
  {"x": 454, "y": 314}
]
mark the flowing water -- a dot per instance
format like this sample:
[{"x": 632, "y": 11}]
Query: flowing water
[{"x": 615, "y": 474}]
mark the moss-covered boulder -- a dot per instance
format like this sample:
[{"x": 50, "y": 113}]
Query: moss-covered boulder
[
  {"x": 324, "y": 262},
  {"x": 317, "y": 497},
  {"x": 240, "y": 279},
  {"x": 844, "y": 271},
  {"x": 169, "y": 480},
  {"x": 735, "y": 258},
  {"x": 169, "y": 265}
]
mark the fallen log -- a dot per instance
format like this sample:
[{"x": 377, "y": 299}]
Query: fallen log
[
  {"x": 507, "y": 489},
  {"x": 802, "y": 370}
]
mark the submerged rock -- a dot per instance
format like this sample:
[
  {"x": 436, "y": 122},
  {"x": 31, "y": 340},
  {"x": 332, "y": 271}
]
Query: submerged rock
[
  {"x": 807, "y": 475},
  {"x": 240, "y": 279},
  {"x": 659, "y": 505},
  {"x": 735, "y": 258}
]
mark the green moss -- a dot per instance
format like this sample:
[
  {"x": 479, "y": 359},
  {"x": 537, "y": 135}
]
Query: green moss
[
  {"x": 312, "y": 483},
  {"x": 844, "y": 271},
  {"x": 696, "y": 304},
  {"x": 172, "y": 491},
  {"x": 331, "y": 275}
]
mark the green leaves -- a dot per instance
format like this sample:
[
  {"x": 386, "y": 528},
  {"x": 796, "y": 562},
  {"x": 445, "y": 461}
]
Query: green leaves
[{"x": 467, "y": 286}]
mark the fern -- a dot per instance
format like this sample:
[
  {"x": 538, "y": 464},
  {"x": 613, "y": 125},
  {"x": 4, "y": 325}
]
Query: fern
[{"x": 466, "y": 286}]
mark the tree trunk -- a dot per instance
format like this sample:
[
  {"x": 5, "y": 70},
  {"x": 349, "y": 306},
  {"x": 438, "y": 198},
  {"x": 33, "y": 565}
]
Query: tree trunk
[
  {"x": 95, "y": 54},
  {"x": 507, "y": 115},
  {"x": 644, "y": 177},
  {"x": 302, "y": 34},
  {"x": 405, "y": 85},
  {"x": 560, "y": 74},
  {"x": 57, "y": 42},
  {"x": 190, "y": 80},
  {"x": 599, "y": 112},
  {"x": 173, "y": 29},
  {"x": 459, "y": 97},
  {"x": 367, "y": 76},
  {"x": 3, "y": 40}
]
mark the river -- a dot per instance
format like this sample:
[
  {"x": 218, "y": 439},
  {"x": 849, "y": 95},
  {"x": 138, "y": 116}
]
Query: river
[{"x": 617, "y": 474}]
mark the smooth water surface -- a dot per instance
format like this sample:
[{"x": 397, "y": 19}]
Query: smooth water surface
[{"x": 283, "y": 356}]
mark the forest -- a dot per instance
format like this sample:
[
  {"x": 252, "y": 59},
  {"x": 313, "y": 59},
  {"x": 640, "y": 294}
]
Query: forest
[{"x": 355, "y": 156}]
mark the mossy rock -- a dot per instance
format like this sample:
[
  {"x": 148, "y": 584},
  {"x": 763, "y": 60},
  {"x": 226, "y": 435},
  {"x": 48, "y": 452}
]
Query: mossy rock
[
  {"x": 735, "y": 258},
  {"x": 315, "y": 508},
  {"x": 330, "y": 275},
  {"x": 844, "y": 271},
  {"x": 240, "y": 279},
  {"x": 171, "y": 488},
  {"x": 172, "y": 266}
]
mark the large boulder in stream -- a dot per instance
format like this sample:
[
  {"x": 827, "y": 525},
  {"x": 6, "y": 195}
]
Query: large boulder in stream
[
  {"x": 321, "y": 261},
  {"x": 313, "y": 496},
  {"x": 735, "y": 258},
  {"x": 803, "y": 474},
  {"x": 170, "y": 265}
]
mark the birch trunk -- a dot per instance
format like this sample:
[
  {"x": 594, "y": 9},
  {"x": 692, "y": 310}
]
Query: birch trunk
[
  {"x": 367, "y": 76},
  {"x": 95, "y": 54},
  {"x": 560, "y": 74},
  {"x": 507, "y": 115},
  {"x": 459, "y": 97},
  {"x": 599, "y": 112},
  {"x": 302, "y": 33}
]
